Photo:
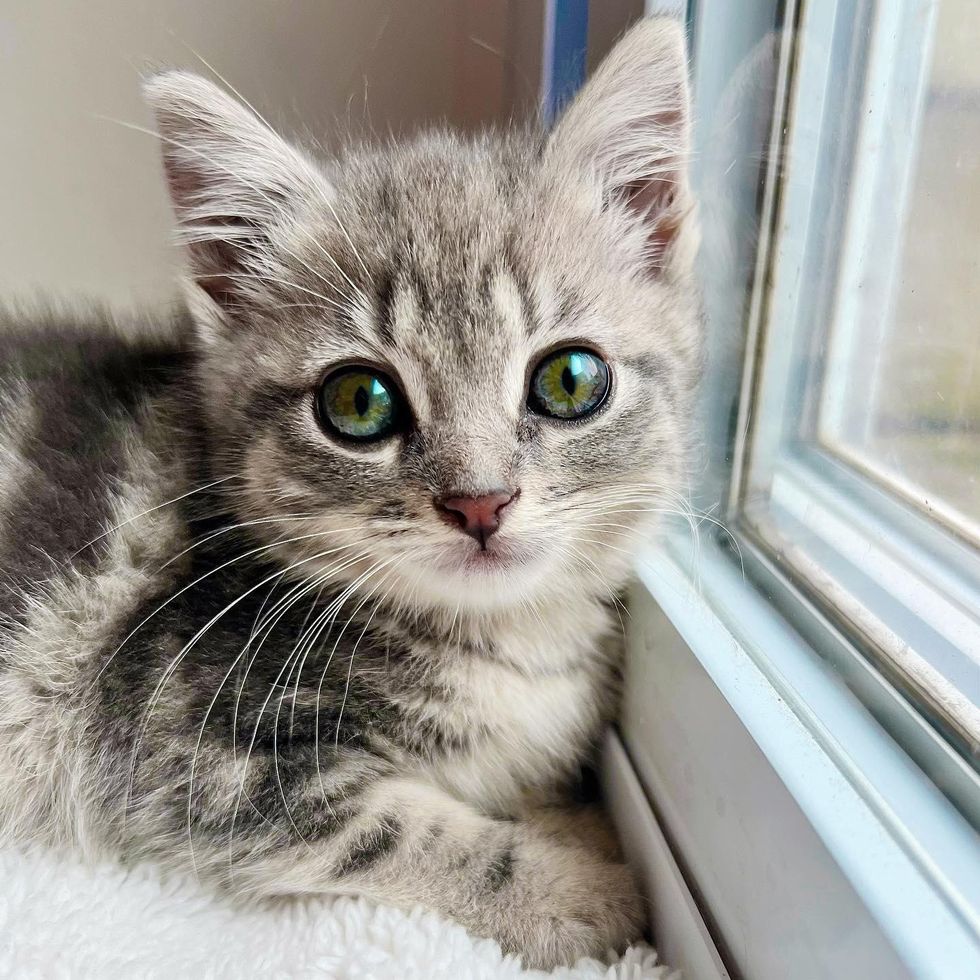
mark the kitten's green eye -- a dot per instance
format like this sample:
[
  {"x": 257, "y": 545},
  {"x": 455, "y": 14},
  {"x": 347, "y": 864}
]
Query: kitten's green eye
[
  {"x": 359, "y": 403},
  {"x": 569, "y": 384}
]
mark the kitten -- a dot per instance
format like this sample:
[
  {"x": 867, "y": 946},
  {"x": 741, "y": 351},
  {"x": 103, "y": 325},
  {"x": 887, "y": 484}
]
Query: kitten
[{"x": 314, "y": 593}]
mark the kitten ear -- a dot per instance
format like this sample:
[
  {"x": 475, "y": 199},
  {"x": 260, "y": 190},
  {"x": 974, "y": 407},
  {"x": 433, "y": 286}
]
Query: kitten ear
[
  {"x": 232, "y": 182},
  {"x": 629, "y": 128}
]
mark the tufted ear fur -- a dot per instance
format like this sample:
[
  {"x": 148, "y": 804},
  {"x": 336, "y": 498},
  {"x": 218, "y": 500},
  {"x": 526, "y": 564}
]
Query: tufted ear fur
[
  {"x": 233, "y": 182},
  {"x": 629, "y": 128}
]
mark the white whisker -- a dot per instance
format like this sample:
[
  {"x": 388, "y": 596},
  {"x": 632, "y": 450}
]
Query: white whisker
[{"x": 150, "y": 510}]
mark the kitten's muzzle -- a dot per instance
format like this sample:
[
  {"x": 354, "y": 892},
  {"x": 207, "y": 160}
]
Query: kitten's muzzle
[{"x": 479, "y": 517}]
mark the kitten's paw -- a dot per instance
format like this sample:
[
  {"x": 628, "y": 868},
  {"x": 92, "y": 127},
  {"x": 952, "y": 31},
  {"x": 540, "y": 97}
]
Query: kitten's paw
[{"x": 566, "y": 903}]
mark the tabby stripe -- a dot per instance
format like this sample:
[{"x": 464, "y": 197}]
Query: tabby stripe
[
  {"x": 370, "y": 847},
  {"x": 501, "y": 870}
]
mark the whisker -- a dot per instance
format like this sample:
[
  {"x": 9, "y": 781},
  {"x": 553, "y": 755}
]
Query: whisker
[
  {"x": 238, "y": 525},
  {"x": 310, "y": 585},
  {"x": 353, "y": 653},
  {"x": 201, "y": 578},
  {"x": 282, "y": 282},
  {"x": 319, "y": 691},
  {"x": 176, "y": 661},
  {"x": 150, "y": 510},
  {"x": 285, "y": 605}
]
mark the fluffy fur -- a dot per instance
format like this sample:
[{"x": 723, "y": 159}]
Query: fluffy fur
[{"x": 231, "y": 641}]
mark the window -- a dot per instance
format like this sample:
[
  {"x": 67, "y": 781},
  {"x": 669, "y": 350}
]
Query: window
[
  {"x": 860, "y": 462},
  {"x": 901, "y": 398},
  {"x": 802, "y": 697}
]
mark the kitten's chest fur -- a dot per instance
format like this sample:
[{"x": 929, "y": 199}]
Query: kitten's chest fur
[
  {"x": 521, "y": 715},
  {"x": 491, "y": 710}
]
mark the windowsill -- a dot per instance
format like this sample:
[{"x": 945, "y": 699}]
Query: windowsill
[
  {"x": 811, "y": 840},
  {"x": 682, "y": 937}
]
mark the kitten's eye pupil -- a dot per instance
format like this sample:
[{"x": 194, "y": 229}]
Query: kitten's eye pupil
[
  {"x": 359, "y": 404},
  {"x": 361, "y": 400},
  {"x": 569, "y": 384}
]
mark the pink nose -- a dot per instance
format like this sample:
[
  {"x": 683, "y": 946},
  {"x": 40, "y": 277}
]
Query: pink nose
[{"x": 479, "y": 517}]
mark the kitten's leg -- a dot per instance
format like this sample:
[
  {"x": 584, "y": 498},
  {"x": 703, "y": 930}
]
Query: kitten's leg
[
  {"x": 588, "y": 825},
  {"x": 575, "y": 814},
  {"x": 550, "y": 900},
  {"x": 403, "y": 840}
]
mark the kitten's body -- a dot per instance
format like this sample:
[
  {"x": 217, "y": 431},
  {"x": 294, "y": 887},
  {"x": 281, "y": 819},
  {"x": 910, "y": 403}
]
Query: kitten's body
[{"x": 228, "y": 644}]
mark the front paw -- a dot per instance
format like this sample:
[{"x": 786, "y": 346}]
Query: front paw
[{"x": 564, "y": 902}]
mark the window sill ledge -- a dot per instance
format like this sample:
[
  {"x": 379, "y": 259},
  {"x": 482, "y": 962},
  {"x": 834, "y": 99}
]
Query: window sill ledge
[{"x": 710, "y": 663}]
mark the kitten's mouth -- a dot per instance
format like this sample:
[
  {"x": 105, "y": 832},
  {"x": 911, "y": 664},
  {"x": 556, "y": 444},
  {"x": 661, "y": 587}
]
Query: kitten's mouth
[
  {"x": 489, "y": 559},
  {"x": 496, "y": 557}
]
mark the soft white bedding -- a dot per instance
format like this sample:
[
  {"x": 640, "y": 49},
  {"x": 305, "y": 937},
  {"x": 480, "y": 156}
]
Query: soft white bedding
[{"x": 59, "y": 918}]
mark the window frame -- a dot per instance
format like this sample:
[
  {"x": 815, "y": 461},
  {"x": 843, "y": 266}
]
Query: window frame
[
  {"x": 820, "y": 807},
  {"x": 799, "y": 475},
  {"x": 863, "y": 803}
]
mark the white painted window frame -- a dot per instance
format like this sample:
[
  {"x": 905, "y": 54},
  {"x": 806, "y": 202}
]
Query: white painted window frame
[{"x": 792, "y": 811}]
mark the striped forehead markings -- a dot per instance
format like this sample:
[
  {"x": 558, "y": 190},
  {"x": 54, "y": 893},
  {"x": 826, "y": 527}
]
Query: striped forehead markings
[{"x": 509, "y": 301}]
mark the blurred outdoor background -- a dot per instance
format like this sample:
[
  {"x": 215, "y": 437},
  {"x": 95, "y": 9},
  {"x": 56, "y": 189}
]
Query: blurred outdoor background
[{"x": 913, "y": 399}]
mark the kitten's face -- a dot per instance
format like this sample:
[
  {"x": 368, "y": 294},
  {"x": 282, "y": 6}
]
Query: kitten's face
[{"x": 457, "y": 373}]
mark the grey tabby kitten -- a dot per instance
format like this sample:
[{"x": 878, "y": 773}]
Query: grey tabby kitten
[{"x": 315, "y": 593}]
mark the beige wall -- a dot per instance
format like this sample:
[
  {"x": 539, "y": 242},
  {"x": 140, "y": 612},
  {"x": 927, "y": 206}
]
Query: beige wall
[
  {"x": 81, "y": 200},
  {"x": 955, "y": 64}
]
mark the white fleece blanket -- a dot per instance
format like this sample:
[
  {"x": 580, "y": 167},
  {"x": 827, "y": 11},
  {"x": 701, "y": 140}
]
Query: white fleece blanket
[{"x": 61, "y": 919}]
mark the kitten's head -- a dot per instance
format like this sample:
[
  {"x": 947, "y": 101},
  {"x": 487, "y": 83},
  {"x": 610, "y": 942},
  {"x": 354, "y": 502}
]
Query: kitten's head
[{"x": 455, "y": 370}]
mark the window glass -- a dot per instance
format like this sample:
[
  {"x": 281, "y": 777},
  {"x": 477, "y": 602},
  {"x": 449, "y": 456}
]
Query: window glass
[
  {"x": 908, "y": 407},
  {"x": 856, "y": 453}
]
